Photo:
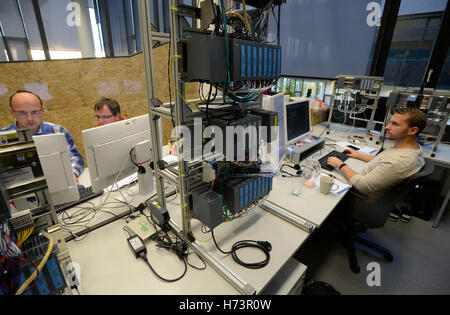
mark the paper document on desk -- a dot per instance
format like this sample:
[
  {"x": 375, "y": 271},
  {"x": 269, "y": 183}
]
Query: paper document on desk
[
  {"x": 362, "y": 148},
  {"x": 342, "y": 187}
]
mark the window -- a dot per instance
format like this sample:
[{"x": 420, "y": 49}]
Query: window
[
  {"x": 322, "y": 39},
  {"x": 63, "y": 36},
  {"x": 415, "y": 33},
  {"x": 301, "y": 87},
  {"x": 65, "y": 29},
  {"x": 120, "y": 27},
  {"x": 32, "y": 27},
  {"x": 3, "y": 55},
  {"x": 411, "y": 48},
  {"x": 444, "y": 80},
  {"x": 12, "y": 29}
]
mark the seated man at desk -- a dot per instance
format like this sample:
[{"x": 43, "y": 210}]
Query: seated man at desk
[
  {"x": 28, "y": 110},
  {"x": 107, "y": 110},
  {"x": 392, "y": 166}
]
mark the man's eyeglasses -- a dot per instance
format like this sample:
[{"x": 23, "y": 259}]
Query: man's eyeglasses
[
  {"x": 104, "y": 117},
  {"x": 24, "y": 114}
]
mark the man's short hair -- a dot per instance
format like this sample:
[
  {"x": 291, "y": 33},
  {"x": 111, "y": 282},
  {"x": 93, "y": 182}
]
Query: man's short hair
[
  {"x": 112, "y": 104},
  {"x": 23, "y": 91},
  {"x": 414, "y": 117}
]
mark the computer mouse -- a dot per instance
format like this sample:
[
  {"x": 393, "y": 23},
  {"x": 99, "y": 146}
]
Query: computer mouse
[{"x": 346, "y": 152}]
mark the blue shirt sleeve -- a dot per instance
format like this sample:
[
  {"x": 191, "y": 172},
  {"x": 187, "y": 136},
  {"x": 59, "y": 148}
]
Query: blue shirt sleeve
[{"x": 75, "y": 155}]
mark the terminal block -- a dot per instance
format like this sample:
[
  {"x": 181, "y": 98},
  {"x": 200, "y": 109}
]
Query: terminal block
[
  {"x": 241, "y": 193},
  {"x": 248, "y": 60}
]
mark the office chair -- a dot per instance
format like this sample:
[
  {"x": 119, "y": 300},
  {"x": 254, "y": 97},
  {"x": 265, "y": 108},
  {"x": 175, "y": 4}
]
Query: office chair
[{"x": 364, "y": 214}]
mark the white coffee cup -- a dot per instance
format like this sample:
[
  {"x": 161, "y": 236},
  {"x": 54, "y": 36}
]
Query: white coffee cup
[{"x": 327, "y": 185}]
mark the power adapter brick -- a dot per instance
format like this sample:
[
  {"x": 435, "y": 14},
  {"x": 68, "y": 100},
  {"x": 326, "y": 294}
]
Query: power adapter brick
[{"x": 137, "y": 246}]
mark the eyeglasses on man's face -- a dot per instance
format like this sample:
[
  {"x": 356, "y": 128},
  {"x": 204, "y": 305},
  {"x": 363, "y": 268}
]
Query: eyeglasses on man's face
[
  {"x": 24, "y": 114},
  {"x": 103, "y": 117}
]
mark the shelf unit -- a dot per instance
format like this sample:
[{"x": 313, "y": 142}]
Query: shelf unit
[
  {"x": 15, "y": 157},
  {"x": 435, "y": 104},
  {"x": 367, "y": 87},
  {"x": 182, "y": 113}
]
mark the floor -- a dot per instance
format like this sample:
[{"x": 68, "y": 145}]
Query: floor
[{"x": 420, "y": 266}]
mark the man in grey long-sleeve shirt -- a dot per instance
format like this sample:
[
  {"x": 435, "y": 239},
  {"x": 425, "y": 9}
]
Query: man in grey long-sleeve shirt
[{"x": 391, "y": 166}]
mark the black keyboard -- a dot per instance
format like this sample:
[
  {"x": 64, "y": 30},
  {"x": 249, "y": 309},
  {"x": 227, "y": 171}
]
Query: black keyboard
[
  {"x": 86, "y": 193},
  {"x": 324, "y": 160}
]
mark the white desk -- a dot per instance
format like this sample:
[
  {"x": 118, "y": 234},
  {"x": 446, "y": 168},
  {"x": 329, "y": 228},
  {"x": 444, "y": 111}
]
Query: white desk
[
  {"x": 109, "y": 267},
  {"x": 258, "y": 225},
  {"x": 311, "y": 205}
]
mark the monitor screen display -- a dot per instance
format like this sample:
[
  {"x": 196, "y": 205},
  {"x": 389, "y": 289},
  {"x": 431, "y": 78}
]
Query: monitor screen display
[{"x": 298, "y": 124}]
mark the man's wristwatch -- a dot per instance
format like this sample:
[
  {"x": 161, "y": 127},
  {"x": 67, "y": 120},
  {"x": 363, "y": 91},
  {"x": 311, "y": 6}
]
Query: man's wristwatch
[{"x": 342, "y": 165}]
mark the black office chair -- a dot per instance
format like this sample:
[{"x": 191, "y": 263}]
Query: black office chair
[{"x": 364, "y": 214}]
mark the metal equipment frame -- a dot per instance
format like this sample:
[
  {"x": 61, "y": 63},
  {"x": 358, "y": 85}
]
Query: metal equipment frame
[
  {"x": 370, "y": 85},
  {"x": 181, "y": 115}
]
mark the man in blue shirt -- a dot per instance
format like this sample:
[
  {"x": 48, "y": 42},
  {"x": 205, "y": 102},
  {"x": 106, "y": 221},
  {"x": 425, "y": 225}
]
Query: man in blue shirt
[{"x": 26, "y": 107}]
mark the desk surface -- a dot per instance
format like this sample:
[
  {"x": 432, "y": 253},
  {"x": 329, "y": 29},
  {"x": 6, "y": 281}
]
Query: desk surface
[
  {"x": 109, "y": 267},
  {"x": 311, "y": 205},
  {"x": 442, "y": 154},
  {"x": 258, "y": 225}
]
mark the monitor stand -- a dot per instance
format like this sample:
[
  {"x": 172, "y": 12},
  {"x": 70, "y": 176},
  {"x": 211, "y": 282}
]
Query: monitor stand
[{"x": 145, "y": 189}]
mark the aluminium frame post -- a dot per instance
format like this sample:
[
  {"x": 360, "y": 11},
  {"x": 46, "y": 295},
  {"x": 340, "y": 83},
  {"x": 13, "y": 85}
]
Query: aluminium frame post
[
  {"x": 179, "y": 116},
  {"x": 147, "y": 47}
]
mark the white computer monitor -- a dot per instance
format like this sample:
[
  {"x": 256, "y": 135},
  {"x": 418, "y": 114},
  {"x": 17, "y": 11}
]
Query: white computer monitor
[
  {"x": 110, "y": 148},
  {"x": 269, "y": 101},
  {"x": 55, "y": 161},
  {"x": 276, "y": 150},
  {"x": 297, "y": 121}
]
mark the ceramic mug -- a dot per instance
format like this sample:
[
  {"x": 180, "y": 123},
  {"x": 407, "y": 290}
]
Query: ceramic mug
[{"x": 327, "y": 185}]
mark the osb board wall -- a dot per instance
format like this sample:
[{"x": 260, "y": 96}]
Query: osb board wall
[{"x": 70, "y": 88}]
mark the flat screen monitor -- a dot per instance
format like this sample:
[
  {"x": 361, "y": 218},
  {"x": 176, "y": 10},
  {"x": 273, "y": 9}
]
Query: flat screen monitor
[
  {"x": 114, "y": 151},
  {"x": 55, "y": 161},
  {"x": 298, "y": 121}
]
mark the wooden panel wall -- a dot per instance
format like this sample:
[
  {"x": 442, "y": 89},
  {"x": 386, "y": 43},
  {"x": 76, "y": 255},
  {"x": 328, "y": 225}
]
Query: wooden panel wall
[{"x": 70, "y": 88}]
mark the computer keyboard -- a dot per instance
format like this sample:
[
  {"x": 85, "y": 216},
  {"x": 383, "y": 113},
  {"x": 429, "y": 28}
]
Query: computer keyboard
[
  {"x": 86, "y": 193},
  {"x": 324, "y": 160}
]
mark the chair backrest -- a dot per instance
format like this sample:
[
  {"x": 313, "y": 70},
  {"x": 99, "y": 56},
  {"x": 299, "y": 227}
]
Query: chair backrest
[{"x": 374, "y": 213}]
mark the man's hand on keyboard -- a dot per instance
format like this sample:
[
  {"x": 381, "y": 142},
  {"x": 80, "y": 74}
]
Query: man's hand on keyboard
[
  {"x": 334, "y": 161},
  {"x": 352, "y": 153}
]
